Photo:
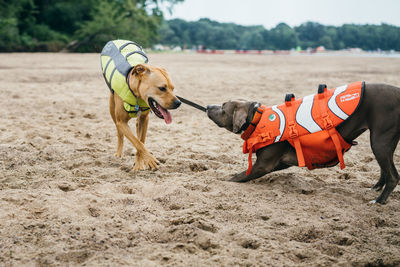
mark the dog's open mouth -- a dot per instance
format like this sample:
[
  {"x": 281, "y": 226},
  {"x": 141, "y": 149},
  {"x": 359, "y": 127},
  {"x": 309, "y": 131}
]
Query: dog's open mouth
[{"x": 160, "y": 112}]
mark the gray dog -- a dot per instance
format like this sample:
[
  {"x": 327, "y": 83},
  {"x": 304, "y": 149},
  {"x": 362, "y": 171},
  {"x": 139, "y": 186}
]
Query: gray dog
[{"x": 379, "y": 111}]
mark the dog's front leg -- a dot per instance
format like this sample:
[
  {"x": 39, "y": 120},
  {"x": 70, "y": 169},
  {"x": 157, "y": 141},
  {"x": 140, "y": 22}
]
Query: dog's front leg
[
  {"x": 242, "y": 177},
  {"x": 256, "y": 172},
  {"x": 143, "y": 160},
  {"x": 141, "y": 126},
  {"x": 276, "y": 157},
  {"x": 141, "y": 130},
  {"x": 259, "y": 169}
]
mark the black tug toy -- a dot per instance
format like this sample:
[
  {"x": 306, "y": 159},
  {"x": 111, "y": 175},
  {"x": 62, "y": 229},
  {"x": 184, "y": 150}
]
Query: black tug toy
[{"x": 190, "y": 103}]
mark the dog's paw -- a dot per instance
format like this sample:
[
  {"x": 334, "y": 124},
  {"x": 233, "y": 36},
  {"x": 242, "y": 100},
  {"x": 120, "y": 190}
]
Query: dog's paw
[
  {"x": 377, "y": 201},
  {"x": 377, "y": 187},
  {"x": 144, "y": 161},
  {"x": 233, "y": 179},
  {"x": 118, "y": 155},
  {"x": 240, "y": 178}
]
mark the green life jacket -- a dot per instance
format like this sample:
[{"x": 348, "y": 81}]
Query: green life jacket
[{"x": 118, "y": 57}]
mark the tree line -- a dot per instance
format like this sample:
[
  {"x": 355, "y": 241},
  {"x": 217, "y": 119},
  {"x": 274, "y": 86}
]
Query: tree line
[
  {"x": 215, "y": 35},
  {"x": 76, "y": 25},
  {"x": 85, "y": 26}
]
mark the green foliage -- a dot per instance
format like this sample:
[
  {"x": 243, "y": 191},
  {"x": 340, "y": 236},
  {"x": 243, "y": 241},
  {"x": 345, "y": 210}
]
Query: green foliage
[
  {"x": 9, "y": 32},
  {"x": 214, "y": 35},
  {"x": 85, "y": 26},
  {"x": 283, "y": 37},
  {"x": 111, "y": 20},
  {"x": 211, "y": 34}
]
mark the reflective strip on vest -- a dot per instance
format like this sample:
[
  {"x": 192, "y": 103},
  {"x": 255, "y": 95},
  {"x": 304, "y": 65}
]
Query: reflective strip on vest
[
  {"x": 282, "y": 122},
  {"x": 304, "y": 115},
  {"x": 118, "y": 57},
  {"x": 332, "y": 103}
]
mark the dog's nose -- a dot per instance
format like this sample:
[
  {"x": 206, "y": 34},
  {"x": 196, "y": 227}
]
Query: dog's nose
[
  {"x": 211, "y": 107},
  {"x": 177, "y": 103}
]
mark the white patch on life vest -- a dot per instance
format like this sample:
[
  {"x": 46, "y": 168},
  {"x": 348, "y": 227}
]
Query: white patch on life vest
[
  {"x": 304, "y": 115},
  {"x": 282, "y": 122},
  {"x": 349, "y": 97},
  {"x": 333, "y": 106}
]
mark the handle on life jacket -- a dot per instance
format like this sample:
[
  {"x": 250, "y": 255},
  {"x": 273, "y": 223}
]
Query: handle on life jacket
[
  {"x": 322, "y": 88},
  {"x": 328, "y": 125},
  {"x": 293, "y": 133},
  {"x": 246, "y": 134},
  {"x": 289, "y": 98}
]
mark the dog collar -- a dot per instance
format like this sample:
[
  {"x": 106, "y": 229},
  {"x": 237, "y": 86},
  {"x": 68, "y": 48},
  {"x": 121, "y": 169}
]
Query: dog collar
[
  {"x": 253, "y": 124},
  {"x": 129, "y": 85},
  {"x": 250, "y": 115},
  {"x": 137, "y": 108}
]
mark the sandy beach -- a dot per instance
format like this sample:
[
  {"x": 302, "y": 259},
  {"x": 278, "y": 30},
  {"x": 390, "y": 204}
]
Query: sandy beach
[{"x": 66, "y": 200}]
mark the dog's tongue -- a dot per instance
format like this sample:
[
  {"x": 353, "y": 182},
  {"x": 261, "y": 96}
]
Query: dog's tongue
[{"x": 167, "y": 116}]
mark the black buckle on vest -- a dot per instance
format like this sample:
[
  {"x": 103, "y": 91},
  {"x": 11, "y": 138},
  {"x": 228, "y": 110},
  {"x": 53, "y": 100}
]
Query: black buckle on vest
[
  {"x": 321, "y": 88},
  {"x": 289, "y": 97}
]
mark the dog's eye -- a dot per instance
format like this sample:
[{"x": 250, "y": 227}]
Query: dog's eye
[{"x": 162, "y": 89}]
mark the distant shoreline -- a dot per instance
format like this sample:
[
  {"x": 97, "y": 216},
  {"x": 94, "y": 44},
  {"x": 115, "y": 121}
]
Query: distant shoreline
[
  {"x": 343, "y": 53},
  {"x": 250, "y": 52}
]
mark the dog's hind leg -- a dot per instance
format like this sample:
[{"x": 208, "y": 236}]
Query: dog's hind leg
[
  {"x": 383, "y": 146},
  {"x": 120, "y": 135},
  {"x": 380, "y": 184}
]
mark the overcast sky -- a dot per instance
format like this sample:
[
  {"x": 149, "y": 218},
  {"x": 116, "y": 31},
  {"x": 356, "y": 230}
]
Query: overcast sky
[{"x": 293, "y": 12}]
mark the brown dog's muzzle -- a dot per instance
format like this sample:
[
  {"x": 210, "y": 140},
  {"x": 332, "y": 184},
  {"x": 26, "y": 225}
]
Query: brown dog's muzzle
[{"x": 175, "y": 104}]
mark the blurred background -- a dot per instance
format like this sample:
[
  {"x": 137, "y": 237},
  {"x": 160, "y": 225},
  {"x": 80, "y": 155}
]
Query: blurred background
[{"x": 200, "y": 25}]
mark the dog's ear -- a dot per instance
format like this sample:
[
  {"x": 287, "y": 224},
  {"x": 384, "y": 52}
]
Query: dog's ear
[
  {"x": 140, "y": 69},
  {"x": 239, "y": 119}
]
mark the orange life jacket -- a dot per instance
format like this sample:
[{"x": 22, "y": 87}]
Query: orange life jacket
[{"x": 308, "y": 124}]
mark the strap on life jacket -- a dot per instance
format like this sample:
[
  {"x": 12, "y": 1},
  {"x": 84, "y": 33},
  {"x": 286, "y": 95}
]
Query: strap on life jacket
[
  {"x": 250, "y": 166},
  {"x": 249, "y": 130},
  {"x": 293, "y": 133},
  {"x": 137, "y": 108},
  {"x": 253, "y": 124},
  {"x": 328, "y": 125}
]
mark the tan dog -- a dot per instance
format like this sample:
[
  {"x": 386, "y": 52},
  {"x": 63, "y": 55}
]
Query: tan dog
[{"x": 154, "y": 86}]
